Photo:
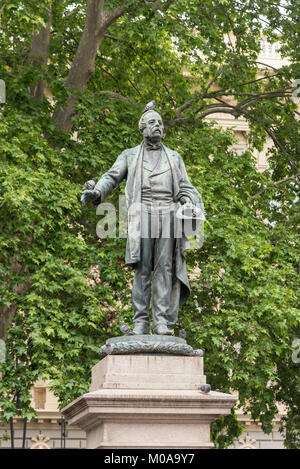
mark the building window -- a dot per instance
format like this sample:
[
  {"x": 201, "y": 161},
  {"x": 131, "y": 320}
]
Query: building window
[
  {"x": 269, "y": 50},
  {"x": 39, "y": 398}
]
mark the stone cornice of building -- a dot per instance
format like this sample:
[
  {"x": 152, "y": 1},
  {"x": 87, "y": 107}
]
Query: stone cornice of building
[
  {"x": 47, "y": 418},
  {"x": 42, "y": 416}
]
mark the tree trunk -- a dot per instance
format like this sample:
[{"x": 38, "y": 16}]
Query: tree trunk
[
  {"x": 83, "y": 65},
  {"x": 7, "y": 312},
  {"x": 39, "y": 55}
]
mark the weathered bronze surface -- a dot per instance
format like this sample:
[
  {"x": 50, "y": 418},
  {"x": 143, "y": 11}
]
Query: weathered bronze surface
[
  {"x": 148, "y": 344},
  {"x": 157, "y": 185}
]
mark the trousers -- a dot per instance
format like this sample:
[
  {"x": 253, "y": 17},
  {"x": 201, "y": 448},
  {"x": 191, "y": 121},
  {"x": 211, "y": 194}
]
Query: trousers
[{"x": 157, "y": 254}]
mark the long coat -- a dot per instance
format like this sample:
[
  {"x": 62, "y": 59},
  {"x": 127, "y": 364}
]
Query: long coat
[{"x": 129, "y": 165}]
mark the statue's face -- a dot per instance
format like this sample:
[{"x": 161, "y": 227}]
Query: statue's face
[{"x": 154, "y": 125}]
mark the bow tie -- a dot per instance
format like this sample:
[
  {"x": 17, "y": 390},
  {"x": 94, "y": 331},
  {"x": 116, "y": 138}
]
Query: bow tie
[{"x": 151, "y": 145}]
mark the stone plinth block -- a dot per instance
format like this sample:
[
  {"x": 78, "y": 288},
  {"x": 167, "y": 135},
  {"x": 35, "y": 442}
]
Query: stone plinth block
[
  {"x": 148, "y": 372},
  {"x": 148, "y": 401}
]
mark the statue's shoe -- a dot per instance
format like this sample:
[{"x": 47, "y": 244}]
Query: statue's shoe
[
  {"x": 162, "y": 329},
  {"x": 141, "y": 329}
]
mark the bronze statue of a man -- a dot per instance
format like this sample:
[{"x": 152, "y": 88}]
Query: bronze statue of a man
[{"x": 157, "y": 185}]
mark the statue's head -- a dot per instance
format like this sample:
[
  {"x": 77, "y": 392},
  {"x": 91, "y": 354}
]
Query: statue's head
[{"x": 151, "y": 125}]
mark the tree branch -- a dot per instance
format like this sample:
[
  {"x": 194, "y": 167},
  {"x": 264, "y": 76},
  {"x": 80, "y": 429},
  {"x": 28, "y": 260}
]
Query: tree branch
[
  {"x": 1, "y": 11},
  {"x": 295, "y": 177},
  {"x": 216, "y": 107},
  {"x": 266, "y": 65},
  {"x": 212, "y": 81},
  {"x": 39, "y": 54},
  {"x": 83, "y": 65},
  {"x": 236, "y": 111},
  {"x": 146, "y": 62},
  {"x": 224, "y": 110},
  {"x": 271, "y": 94},
  {"x": 184, "y": 106},
  {"x": 113, "y": 16},
  {"x": 222, "y": 92},
  {"x": 114, "y": 95}
]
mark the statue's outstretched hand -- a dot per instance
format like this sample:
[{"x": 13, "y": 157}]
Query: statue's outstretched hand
[
  {"x": 90, "y": 185},
  {"x": 90, "y": 196}
]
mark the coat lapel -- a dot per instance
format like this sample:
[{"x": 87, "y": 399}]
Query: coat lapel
[
  {"x": 174, "y": 169},
  {"x": 133, "y": 198}
]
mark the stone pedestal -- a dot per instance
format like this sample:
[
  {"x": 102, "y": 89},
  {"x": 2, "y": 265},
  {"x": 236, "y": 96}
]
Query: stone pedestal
[{"x": 148, "y": 401}]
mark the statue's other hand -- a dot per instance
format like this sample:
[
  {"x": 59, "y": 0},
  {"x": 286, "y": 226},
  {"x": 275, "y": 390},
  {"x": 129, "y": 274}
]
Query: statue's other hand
[
  {"x": 185, "y": 200},
  {"x": 90, "y": 196}
]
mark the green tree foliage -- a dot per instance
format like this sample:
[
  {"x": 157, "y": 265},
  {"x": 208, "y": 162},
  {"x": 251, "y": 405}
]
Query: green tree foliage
[{"x": 77, "y": 76}]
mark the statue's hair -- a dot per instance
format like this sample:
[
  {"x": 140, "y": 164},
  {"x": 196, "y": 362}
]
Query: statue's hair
[{"x": 142, "y": 122}]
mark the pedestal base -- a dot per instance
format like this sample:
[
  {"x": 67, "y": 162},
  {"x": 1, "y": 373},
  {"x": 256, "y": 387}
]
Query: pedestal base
[
  {"x": 148, "y": 401},
  {"x": 145, "y": 344}
]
